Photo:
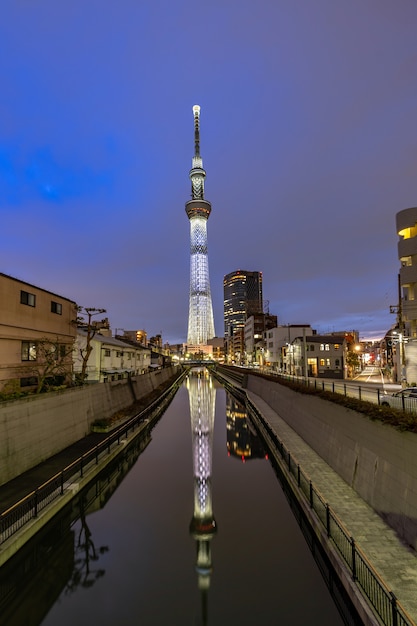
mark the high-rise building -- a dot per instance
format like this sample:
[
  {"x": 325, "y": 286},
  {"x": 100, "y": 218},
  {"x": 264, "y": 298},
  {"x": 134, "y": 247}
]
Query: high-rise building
[
  {"x": 242, "y": 298},
  {"x": 200, "y": 317}
]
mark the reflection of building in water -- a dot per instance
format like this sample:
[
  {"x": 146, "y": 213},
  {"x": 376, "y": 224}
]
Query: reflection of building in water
[
  {"x": 203, "y": 526},
  {"x": 242, "y": 441}
]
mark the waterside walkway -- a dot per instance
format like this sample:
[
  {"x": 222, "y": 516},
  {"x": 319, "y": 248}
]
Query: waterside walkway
[{"x": 395, "y": 563}]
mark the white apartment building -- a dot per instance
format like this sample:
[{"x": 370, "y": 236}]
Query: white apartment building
[
  {"x": 276, "y": 345},
  {"x": 110, "y": 359}
]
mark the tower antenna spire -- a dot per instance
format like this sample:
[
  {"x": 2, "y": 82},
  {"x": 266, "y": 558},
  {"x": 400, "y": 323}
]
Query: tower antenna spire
[{"x": 196, "y": 111}]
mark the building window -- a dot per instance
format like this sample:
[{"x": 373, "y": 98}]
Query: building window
[
  {"x": 322, "y": 346},
  {"x": 56, "y": 307},
  {"x": 129, "y": 356},
  {"x": 336, "y": 346},
  {"x": 119, "y": 354},
  {"x": 337, "y": 362},
  {"x": 327, "y": 347},
  {"x": 322, "y": 362},
  {"x": 312, "y": 348},
  {"x": 28, "y": 351},
  {"x": 27, "y": 298},
  {"x": 328, "y": 362},
  {"x": 106, "y": 352},
  {"x": 28, "y": 381}
]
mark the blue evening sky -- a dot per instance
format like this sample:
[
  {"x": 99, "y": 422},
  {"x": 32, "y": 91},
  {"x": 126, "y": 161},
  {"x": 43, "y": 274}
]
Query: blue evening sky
[{"x": 308, "y": 138}]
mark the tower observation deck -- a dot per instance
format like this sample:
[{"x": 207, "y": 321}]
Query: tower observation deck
[{"x": 200, "y": 318}]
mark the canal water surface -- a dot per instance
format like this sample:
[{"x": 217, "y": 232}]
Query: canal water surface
[{"x": 191, "y": 529}]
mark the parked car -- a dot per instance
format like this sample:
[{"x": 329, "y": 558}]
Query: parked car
[{"x": 405, "y": 399}]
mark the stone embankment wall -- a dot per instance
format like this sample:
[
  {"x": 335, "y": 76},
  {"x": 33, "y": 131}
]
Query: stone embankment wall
[
  {"x": 35, "y": 428},
  {"x": 376, "y": 460}
]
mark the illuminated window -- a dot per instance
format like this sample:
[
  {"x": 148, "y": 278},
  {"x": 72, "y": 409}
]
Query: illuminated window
[
  {"x": 336, "y": 346},
  {"x": 322, "y": 362},
  {"x": 328, "y": 362},
  {"x": 28, "y": 351},
  {"x": 27, "y": 298},
  {"x": 408, "y": 233},
  {"x": 322, "y": 346},
  {"x": 327, "y": 347}
]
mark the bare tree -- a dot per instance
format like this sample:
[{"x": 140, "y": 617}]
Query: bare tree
[
  {"x": 84, "y": 320},
  {"x": 50, "y": 362}
]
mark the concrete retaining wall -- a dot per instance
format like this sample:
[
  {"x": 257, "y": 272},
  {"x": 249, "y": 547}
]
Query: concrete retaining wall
[
  {"x": 34, "y": 428},
  {"x": 376, "y": 460}
]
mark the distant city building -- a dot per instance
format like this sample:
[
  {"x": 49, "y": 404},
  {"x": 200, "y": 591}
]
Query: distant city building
[
  {"x": 254, "y": 329},
  {"x": 200, "y": 317},
  {"x": 37, "y": 333},
  {"x": 217, "y": 344},
  {"x": 322, "y": 356},
  {"x": 242, "y": 292},
  {"x": 139, "y": 336},
  {"x": 277, "y": 341}
]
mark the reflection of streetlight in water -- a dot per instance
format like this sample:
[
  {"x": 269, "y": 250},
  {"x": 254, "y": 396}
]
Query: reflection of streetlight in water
[{"x": 202, "y": 396}]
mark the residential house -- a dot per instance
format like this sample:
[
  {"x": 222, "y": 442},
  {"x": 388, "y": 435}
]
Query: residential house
[
  {"x": 322, "y": 356},
  {"x": 37, "y": 332},
  {"x": 110, "y": 358}
]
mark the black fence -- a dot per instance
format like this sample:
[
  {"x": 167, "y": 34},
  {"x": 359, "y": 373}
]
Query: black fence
[{"x": 14, "y": 518}]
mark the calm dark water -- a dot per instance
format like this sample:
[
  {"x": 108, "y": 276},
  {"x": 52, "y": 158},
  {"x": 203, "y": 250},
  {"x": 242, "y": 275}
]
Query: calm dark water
[{"x": 133, "y": 562}]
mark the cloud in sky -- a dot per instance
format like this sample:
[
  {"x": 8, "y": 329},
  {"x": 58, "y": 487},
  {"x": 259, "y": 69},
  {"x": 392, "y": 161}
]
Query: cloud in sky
[{"x": 308, "y": 137}]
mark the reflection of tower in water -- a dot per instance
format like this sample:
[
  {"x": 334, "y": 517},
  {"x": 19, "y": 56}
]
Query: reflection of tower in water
[{"x": 203, "y": 526}]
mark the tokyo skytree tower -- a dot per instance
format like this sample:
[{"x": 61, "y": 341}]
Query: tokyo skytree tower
[{"x": 200, "y": 317}]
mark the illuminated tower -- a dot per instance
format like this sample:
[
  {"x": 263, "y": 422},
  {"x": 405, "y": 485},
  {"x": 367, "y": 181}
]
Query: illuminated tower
[
  {"x": 202, "y": 395},
  {"x": 200, "y": 317}
]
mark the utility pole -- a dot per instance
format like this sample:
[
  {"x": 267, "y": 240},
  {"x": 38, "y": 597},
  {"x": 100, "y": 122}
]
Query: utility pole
[
  {"x": 401, "y": 334},
  {"x": 400, "y": 357},
  {"x": 305, "y": 354}
]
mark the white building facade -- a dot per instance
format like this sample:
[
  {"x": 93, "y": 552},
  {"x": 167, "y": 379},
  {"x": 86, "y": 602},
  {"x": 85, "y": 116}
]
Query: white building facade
[{"x": 110, "y": 359}]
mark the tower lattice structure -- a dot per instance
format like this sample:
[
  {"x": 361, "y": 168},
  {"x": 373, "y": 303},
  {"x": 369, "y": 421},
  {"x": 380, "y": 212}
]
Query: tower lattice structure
[{"x": 198, "y": 209}]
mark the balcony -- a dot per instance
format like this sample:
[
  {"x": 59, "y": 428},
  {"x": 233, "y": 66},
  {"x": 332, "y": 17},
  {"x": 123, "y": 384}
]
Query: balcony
[{"x": 408, "y": 274}]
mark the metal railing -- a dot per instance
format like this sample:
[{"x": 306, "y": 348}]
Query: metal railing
[
  {"x": 383, "y": 601},
  {"x": 343, "y": 387},
  {"x": 14, "y": 518}
]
